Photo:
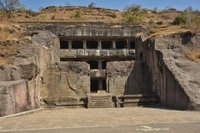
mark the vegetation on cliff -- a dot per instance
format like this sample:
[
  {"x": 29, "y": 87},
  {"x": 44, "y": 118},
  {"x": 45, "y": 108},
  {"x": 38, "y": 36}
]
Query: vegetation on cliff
[{"x": 159, "y": 22}]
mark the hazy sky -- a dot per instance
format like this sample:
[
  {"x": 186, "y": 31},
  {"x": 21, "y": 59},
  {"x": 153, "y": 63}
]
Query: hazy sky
[{"x": 114, "y": 4}]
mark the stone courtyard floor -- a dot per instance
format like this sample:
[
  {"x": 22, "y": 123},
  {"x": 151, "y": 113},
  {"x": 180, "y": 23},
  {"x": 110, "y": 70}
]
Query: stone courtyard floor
[{"x": 63, "y": 118}]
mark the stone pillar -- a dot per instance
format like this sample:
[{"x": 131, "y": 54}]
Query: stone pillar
[
  {"x": 84, "y": 44},
  {"x": 128, "y": 44},
  {"x": 114, "y": 44},
  {"x": 99, "y": 44},
  {"x": 99, "y": 65},
  {"x": 100, "y": 85},
  {"x": 69, "y": 44}
]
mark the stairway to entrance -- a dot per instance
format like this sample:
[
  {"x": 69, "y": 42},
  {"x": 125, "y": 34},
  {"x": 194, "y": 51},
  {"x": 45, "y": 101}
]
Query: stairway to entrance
[{"x": 100, "y": 101}]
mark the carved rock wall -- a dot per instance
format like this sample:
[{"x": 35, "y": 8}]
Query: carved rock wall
[
  {"x": 85, "y": 30},
  {"x": 66, "y": 81},
  {"x": 15, "y": 97},
  {"x": 175, "y": 78},
  {"x": 128, "y": 77},
  {"x": 21, "y": 82}
]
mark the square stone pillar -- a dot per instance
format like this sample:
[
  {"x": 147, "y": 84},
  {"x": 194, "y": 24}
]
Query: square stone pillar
[
  {"x": 128, "y": 44},
  {"x": 84, "y": 44},
  {"x": 99, "y": 65},
  {"x": 99, "y": 44},
  {"x": 114, "y": 44},
  {"x": 100, "y": 85},
  {"x": 69, "y": 44}
]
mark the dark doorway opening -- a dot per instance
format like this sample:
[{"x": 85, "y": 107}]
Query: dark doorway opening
[
  {"x": 104, "y": 85},
  {"x": 94, "y": 86},
  {"x": 63, "y": 44},
  {"x": 77, "y": 45},
  {"x": 93, "y": 64},
  {"x": 92, "y": 44},
  {"x": 121, "y": 44},
  {"x": 132, "y": 44},
  {"x": 104, "y": 63},
  {"x": 141, "y": 56},
  {"x": 106, "y": 44}
]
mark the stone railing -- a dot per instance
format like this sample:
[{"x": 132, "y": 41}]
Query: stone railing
[{"x": 89, "y": 53}]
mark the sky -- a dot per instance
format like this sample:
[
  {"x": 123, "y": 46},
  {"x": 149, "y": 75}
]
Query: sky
[{"x": 114, "y": 4}]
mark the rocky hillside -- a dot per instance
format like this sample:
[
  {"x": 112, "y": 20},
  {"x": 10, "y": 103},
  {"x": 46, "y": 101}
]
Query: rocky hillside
[{"x": 158, "y": 23}]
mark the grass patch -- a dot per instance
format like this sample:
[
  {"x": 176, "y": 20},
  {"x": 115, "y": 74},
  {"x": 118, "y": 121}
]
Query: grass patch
[{"x": 194, "y": 55}]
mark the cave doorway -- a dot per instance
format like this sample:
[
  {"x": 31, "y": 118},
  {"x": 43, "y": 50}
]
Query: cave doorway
[
  {"x": 94, "y": 87},
  {"x": 97, "y": 85}
]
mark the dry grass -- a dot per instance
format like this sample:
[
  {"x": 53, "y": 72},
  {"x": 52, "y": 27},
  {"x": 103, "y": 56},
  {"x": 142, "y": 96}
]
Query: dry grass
[
  {"x": 5, "y": 61},
  {"x": 10, "y": 31},
  {"x": 194, "y": 55},
  {"x": 167, "y": 30},
  {"x": 11, "y": 37}
]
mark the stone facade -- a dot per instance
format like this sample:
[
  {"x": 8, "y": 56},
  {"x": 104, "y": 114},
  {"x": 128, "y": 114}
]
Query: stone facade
[{"x": 78, "y": 65}]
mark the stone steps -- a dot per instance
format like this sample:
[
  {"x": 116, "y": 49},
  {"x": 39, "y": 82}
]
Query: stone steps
[
  {"x": 145, "y": 100},
  {"x": 100, "y": 101},
  {"x": 109, "y": 101}
]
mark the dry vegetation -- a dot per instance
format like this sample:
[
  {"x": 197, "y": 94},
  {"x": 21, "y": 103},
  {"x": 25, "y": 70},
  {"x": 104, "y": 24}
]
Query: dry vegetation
[
  {"x": 11, "y": 37},
  {"x": 194, "y": 55},
  {"x": 159, "y": 23}
]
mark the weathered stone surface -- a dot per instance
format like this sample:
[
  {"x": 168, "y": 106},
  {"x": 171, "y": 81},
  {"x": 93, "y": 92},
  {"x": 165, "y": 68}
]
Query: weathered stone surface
[
  {"x": 139, "y": 80},
  {"x": 80, "y": 53},
  {"x": 67, "y": 30},
  {"x": 67, "y": 79},
  {"x": 29, "y": 71},
  {"x": 128, "y": 77},
  {"x": 175, "y": 78},
  {"x": 49, "y": 41},
  {"x": 30, "y": 64},
  {"x": 9, "y": 73},
  {"x": 117, "y": 75},
  {"x": 15, "y": 97}
]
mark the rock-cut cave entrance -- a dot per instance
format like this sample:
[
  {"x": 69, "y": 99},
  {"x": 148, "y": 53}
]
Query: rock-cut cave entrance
[{"x": 97, "y": 85}]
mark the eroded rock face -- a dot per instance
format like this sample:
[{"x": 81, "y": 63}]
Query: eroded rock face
[
  {"x": 66, "y": 80},
  {"x": 15, "y": 97},
  {"x": 90, "y": 30},
  {"x": 21, "y": 82},
  {"x": 128, "y": 77},
  {"x": 9, "y": 73},
  {"x": 175, "y": 78}
]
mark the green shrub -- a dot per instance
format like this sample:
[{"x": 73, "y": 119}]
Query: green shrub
[
  {"x": 103, "y": 10},
  {"x": 133, "y": 13},
  {"x": 159, "y": 23},
  {"x": 180, "y": 19},
  {"x": 78, "y": 14},
  {"x": 151, "y": 22}
]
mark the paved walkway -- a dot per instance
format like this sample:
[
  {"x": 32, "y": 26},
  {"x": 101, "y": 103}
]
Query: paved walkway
[{"x": 78, "y": 118}]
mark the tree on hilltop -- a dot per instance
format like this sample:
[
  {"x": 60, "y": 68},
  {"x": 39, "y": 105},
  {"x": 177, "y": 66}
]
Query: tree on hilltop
[
  {"x": 91, "y": 5},
  {"x": 10, "y": 5}
]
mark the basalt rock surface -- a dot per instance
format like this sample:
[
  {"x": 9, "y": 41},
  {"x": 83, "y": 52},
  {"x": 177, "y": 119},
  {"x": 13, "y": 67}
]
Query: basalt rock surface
[
  {"x": 21, "y": 82},
  {"x": 175, "y": 78}
]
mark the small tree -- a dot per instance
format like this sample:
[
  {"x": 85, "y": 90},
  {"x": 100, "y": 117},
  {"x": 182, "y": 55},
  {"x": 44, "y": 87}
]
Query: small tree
[
  {"x": 91, "y": 5},
  {"x": 9, "y": 6},
  {"x": 134, "y": 13}
]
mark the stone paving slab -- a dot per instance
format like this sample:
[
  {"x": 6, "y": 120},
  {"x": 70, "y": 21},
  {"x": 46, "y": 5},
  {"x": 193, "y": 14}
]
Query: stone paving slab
[{"x": 72, "y": 118}]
